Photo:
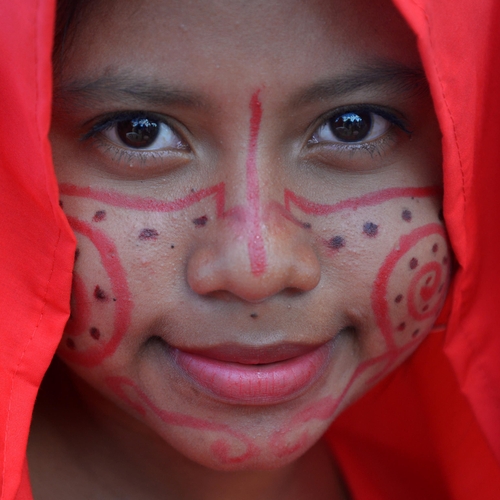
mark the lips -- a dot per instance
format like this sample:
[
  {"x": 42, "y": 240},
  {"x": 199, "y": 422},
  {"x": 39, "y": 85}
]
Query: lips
[{"x": 254, "y": 376}]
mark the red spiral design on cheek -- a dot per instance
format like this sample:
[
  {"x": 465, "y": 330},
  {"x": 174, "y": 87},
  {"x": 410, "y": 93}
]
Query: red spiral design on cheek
[
  {"x": 425, "y": 294},
  {"x": 423, "y": 288},
  {"x": 105, "y": 345}
]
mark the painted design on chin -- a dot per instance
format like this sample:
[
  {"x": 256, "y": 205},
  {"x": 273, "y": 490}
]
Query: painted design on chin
[
  {"x": 104, "y": 343},
  {"x": 135, "y": 398}
]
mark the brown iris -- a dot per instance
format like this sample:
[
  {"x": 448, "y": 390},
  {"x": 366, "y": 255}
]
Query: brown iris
[
  {"x": 351, "y": 127},
  {"x": 138, "y": 132}
]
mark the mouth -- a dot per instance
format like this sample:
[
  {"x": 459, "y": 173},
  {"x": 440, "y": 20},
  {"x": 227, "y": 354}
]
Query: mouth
[{"x": 254, "y": 376}]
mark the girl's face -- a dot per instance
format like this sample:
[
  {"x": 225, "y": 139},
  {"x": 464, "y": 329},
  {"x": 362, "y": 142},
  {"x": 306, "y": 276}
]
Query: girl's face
[{"x": 255, "y": 191}]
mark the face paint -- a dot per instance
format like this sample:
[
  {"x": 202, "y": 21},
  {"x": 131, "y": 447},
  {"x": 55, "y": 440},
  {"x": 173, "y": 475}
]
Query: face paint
[
  {"x": 141, "y": 403},
  {"x": 256, "y": 248},
  {"x": 417, "y": 307},
  {"x": 93, "y": 355},
  {"x": 318, "y": 264}
]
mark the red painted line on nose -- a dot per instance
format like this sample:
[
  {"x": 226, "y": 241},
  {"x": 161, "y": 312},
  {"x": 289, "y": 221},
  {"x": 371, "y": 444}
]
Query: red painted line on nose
[{"x": 256, "y": 248}]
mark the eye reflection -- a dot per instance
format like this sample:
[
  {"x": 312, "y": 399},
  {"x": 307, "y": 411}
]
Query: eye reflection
[
  {"x": 352, "y": 127},
  {"x": 141, "y": 133},
  {"x": 138, "y": 132}
]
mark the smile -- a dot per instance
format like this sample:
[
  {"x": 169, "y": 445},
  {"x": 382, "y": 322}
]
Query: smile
[{"x": 255, "y": 377}]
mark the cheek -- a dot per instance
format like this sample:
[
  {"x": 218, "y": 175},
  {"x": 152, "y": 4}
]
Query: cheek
[
  {"x": 411, "y": 284},
  {"x": 101, "y": 303}
]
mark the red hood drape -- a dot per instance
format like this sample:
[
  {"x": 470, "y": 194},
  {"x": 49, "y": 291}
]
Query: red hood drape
[{"x": 432, "y": 429}]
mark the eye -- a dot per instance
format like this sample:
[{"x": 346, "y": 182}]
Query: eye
[
  {"x": 140, "y": 133},
  {"x": 352, "y": 127}
]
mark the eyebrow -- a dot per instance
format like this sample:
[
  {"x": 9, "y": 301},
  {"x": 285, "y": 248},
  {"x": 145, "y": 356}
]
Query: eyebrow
[
  {"x": 384, "y": 76},
  {"x": 124, "y": 88}
]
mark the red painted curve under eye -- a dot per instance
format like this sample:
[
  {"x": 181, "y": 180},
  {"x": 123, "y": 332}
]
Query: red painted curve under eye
[
  {"x": 366, "y": 200},
  {"x": 105, "y": 346}
]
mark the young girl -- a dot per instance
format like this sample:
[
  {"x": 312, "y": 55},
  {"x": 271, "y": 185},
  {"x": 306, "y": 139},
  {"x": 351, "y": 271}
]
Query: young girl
[{"x": 256, "y": 194}]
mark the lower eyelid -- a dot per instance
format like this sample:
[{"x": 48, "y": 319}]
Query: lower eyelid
[{"x": 136, "y": 164}]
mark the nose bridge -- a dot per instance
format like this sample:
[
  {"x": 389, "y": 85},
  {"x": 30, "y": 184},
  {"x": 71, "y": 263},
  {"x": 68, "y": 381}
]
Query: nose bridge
[
  {"x": 256, "y": 252},
  {"x": 256, "y": 247}
]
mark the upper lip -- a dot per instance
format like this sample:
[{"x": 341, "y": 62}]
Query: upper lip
[{"x": 253, "y": 355}]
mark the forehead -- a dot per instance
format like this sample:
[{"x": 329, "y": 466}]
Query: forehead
[{"x": 213, "y": 42}]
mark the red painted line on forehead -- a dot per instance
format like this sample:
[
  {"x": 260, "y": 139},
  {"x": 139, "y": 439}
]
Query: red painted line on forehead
[
  {"x": 256, "y": 249},
  {"x": 370, "y": 199},
  {"x": 147, "y": 204}
]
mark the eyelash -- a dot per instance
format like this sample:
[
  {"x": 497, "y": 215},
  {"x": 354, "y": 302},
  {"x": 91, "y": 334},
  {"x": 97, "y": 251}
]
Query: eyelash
[
  {"x": 129, "y": 154},
  {"x": 370, "y": 146},
  {"x": 125, "y": 153}
]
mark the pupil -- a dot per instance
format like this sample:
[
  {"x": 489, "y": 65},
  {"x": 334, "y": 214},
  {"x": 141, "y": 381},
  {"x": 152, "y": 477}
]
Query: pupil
[
  {"x": 351, "y": 127},
  {"x": 138, "y": 132}
]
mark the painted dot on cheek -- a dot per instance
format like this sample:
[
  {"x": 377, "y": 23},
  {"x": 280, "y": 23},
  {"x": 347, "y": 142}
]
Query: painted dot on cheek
[
  {"x": 435, "y": 248},
  {"x": 200, "y": 221},
  {"x": 415, "y": 333},
  {"x": 401, "y": 326},
  {"x": 95, "y": 333},
  {"x": 370, "y": 229},
  {"x": 99, "y": 216},
  {"x": 336, "y": 242},
  {"x": 406, "y": 215},
  {"x": 148, "y": 234},
  {"x": 398, "y": 299},
  {"x": 306, "y": 225},
  {"x": 100, "y": 294},
  {"x": 413, "y": 263},
  {"x": 254, "y": 315},
  {"x": 70, "y": 343}
]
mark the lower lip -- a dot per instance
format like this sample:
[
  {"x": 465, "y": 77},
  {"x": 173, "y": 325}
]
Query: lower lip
[{"x": 255, "y": 384}]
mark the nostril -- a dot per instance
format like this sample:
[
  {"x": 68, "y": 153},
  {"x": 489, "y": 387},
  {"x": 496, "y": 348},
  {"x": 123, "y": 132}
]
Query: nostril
[
  {"x": 293, "y": 292},
  {"x": 222, "y": 266}
]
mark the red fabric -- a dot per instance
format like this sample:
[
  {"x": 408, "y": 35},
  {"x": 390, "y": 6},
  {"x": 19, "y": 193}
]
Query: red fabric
[
  {"x": 37, "y": 248},
  {"x": 432, "y": 430},
  {"x": 428, "y": 431}
]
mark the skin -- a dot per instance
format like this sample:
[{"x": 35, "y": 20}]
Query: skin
[{"x": 252, "y": 226}]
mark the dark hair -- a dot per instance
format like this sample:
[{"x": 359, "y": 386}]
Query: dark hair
[{"x": 68, "y": 15}]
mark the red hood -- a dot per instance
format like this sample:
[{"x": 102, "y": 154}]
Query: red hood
[{"x": 428, "y": 431}]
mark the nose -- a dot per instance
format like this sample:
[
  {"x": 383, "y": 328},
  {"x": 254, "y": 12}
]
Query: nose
[
  {"x": 222, "y": 262},
  {"x": 254, "y": 252}
]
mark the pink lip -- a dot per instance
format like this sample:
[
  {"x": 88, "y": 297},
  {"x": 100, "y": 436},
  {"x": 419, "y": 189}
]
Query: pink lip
[{"x": 255, "y": 376}]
